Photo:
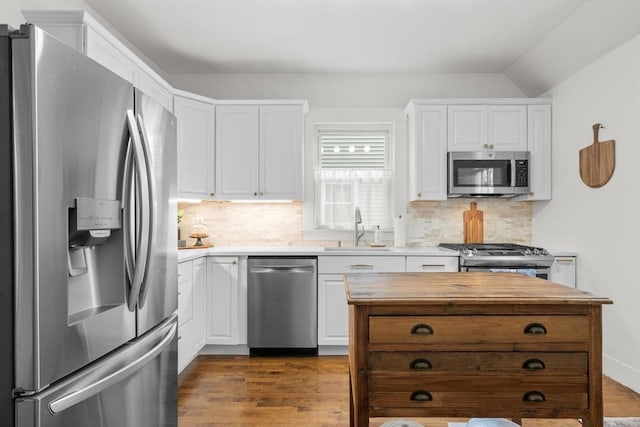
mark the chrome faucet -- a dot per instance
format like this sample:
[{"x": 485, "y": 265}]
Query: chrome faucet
[{"x": 357, "y": 220}]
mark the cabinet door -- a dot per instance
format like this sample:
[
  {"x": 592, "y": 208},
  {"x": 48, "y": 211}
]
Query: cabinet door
[
  {"x": 195, "y": 148},
  {"x": 199, "y": 297},
  {"x": 185, "y": 314},
  {"x": 333, "y": 311},
  {"x": 237, "y": 172},
  {"x": 467, "y": 127},
  {"x": 507, "y": 127},
  {"x": 222, "y": 300},
  {"x": 281, "y": 148},
  {"x": 539, "y": 140},
  {"x": 563, "y": 271},
  {"x": 428, "y": 153}
]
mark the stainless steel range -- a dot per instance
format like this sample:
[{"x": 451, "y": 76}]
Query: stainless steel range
[{"x": 528, "y": 260}]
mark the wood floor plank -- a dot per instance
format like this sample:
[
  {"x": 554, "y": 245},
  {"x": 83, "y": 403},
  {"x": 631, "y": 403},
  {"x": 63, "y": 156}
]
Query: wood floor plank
[{"x": 242, "y": 391}]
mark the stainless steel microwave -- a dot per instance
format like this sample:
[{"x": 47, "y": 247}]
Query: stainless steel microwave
[{"x": 488, "y": 173}]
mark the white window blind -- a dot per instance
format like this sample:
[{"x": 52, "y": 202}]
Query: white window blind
[{"x": 353, "y": 169}]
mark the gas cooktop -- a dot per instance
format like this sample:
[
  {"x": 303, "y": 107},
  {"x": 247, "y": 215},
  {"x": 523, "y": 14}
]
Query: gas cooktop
[{"x": 500, "y": 254}]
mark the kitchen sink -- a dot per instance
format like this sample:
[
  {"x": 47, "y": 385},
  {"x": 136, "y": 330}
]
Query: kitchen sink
[{"x": 357, "y": 249}]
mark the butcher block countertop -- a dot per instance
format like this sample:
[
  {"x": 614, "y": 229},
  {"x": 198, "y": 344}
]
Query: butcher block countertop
[{"x": 461, "y": 288}]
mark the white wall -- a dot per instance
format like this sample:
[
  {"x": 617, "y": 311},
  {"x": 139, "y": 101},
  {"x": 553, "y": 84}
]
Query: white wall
[
  {"x": 10, "y": 13},
  {"x": 348, "y": 90},
  {"x": 603, "y": 224}
]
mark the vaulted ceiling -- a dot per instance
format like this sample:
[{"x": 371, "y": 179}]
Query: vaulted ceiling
[{"x": 536, "y": 43}]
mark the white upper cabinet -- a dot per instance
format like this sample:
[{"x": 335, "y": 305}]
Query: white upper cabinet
[
  {"x": 259, "y": 151},
  {"x": 487, "y": 127},
  {"x": 436, "y": 126},
  {"x": 467, "y": 126},
  {"x": 281, "y": 151},
  {"x": 507, "y": 127},
  {"x": 81, "y": 31},
  {"x": 237, "y": 161},
  {"x": 196, "y": 149},
  {"x": 539, "y": 144},
  {"x": 427, "y": 152}
]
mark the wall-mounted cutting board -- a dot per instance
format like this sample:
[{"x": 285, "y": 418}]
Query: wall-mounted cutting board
[
  {"x": 597, "y": 161},
  {"x": 473, "y": 228}
]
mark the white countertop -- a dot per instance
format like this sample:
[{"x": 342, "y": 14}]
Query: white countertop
[{"x": 188, "y": 254}]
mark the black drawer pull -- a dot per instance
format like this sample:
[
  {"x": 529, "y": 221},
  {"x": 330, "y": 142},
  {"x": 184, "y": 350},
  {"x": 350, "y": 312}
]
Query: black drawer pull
[
  {"x": 535, "y": 329},
  {"x": 421, "y": 364},
  {"x": 533, "y": 365},
  {"x": 421, "y": 396},
  {"x": 533, "y": 397},
  {"x": 421, "y": 329}
]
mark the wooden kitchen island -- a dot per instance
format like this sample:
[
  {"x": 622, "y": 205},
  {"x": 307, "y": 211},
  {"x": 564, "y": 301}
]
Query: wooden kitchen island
[{"x": 473, "y": 345}]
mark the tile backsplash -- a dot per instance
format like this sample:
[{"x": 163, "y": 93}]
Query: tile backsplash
[{"x": 280, "y": 224}]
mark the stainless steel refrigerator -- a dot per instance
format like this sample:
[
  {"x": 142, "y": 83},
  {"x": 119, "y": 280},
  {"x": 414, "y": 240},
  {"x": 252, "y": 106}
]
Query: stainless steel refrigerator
[{"x": 88, "y": 257}]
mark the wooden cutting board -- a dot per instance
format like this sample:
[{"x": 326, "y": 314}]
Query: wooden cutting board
[
  {"x": 473, "y": 231},
  {"x": 597, "y": 161}
]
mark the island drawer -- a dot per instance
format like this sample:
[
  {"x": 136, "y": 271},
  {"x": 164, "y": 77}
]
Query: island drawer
[
  {"x": 490, "y": 329},
  {"x": 479, "y": 363},
  {"x": 534, "y": 403}
]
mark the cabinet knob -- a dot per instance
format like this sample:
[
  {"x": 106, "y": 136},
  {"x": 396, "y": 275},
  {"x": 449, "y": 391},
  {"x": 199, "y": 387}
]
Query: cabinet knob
[
  {"x": 255, "y": 194},
  {"x": 535, "y": 329},
  {"x": 533, "y": 365},
  {"x": 234, "y": 262},
  {"x": 212, "y": 194},
  {"x": 533, "y": 397},
  {"x": 261, "y": 194},
  {"x": 490, "y": 146},
  {"x": 421, "y": 396},
  {"x": 421, "y": 329},
  {"x": 420, "y": 364},
  {"x": 485, "y": 146},
  {"x": 419, "y": 194}
]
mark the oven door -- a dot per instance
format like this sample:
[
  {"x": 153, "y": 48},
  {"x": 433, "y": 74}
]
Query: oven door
[{"x": 540, "y": 272}]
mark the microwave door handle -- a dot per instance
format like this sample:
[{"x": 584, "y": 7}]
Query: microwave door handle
[
  {"x": 151, "y": 208},
  {"x": 142, "y": 245},
  {"x": 512, "y": 166}
]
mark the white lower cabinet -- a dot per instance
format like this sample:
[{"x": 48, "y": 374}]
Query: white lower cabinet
[
  {"x": 191, "y": 290},
  {"x": 416, "y": 264},
  {"x": 223, "y": 297},
  {"x": 563, "y": 271},
  {"x": 333, "y": 311}
]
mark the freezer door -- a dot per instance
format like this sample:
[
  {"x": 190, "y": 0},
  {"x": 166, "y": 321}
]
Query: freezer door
[
  {"x": 158, "y": 296},
  {"x": 134, "y": 386},
  {"x": 70, "y": 141}
]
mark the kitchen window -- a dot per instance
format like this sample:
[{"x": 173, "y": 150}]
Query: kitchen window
[{"x": 353, "y": 168}]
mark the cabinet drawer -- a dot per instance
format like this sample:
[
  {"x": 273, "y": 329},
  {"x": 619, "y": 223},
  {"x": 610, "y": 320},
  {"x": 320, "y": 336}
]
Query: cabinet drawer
[
  {"x": 431, "y": 263},
  {"x": 360, "y": 263},
  {"x": 534, "y": 403},
  {"x": 479, "y": 363},
  {"x": 487, "y": 330},
  {"x": 185, "y": 302},
  {"x": 185, "y": 271}
]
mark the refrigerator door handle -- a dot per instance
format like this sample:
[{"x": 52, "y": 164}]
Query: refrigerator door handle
[
  {"x": 77, "y": 396},
  {"x": 142, "y": 244},
  {"x": 127, "y": 214},
  {"x": 151, "y": 212}
]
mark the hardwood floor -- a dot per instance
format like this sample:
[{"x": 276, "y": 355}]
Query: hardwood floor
[{"x": 242, "y": 391}]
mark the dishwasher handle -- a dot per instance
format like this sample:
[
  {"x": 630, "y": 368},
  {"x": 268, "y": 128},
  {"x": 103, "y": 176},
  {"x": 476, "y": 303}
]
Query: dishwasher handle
[{"x": 283, "y": 268}]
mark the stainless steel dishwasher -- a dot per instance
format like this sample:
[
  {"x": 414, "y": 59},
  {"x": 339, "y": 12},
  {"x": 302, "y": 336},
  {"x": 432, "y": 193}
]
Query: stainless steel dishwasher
[{"x": 283, "y": 305}]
